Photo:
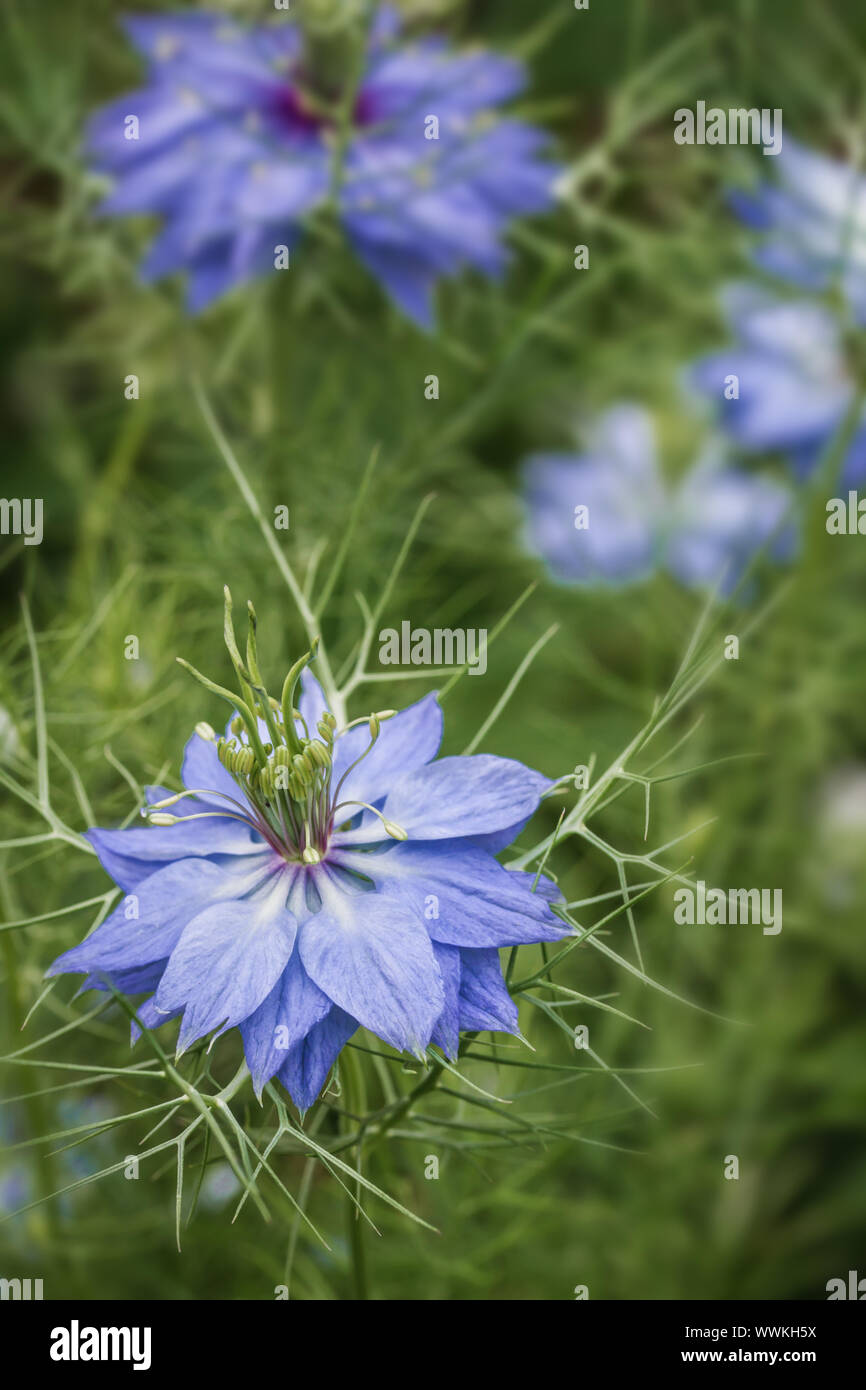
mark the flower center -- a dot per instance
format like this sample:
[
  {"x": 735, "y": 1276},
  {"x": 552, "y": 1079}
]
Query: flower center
[
  {"x": 285, "y": 775},
  {"x": 290, "y": 793},
  {"x": 297, "y": 112},
  {"x": 300, "y": 109}
]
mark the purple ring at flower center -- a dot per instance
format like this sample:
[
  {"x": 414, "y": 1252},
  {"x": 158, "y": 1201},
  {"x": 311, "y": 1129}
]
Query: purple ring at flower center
[{"x": 295, "y": 113}]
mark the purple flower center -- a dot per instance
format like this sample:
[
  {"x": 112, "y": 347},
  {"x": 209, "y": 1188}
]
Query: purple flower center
[
  {"x": 301, "y": 114},
  {"x": 294, "y": 112}
]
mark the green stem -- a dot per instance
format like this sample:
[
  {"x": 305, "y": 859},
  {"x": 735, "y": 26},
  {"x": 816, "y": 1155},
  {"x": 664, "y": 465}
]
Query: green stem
[
  {"x": 426, "y": 1084},
  {"x": 336, "y": 702},
  {"x": 360, "y": 1290}
]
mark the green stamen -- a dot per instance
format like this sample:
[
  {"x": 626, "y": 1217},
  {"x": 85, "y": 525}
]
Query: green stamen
[{"x": 286, "y": 781}]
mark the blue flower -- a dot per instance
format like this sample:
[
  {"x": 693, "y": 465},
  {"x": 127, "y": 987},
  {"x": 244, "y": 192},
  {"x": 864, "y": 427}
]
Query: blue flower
[
  {"x": 607, "y": 516},
  {"x": 812, "y": 217},
  {"x": 794, "y": 386},
  {"x": 235, "y": 146},
  {"x": 315, "y": 884},
  {"x": 17, "y": 1185}
]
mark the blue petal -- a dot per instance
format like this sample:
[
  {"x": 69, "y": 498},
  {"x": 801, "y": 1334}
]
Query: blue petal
[
  {"x": 163, "y": 118},
  {"x": 495, "y": 842},
  {"x": 304, "y": 1071},
  {"x": 463, "y": 796},
  {"x": 721, "y": 517},
  {"x": 280, "y": 189},
  {"x": 619, "y": 484},
  {"x": 202, "y": 771},
  {"x": 446, "y": 1033},
  {"x": 155, "y": 35},
  {"x": 312, "y": 704},
  {"x": 424, "y": 78},
  {"x": 225, "y": 264},
  {"x": 208, "y": 52},
  {"x": 794, "y": 388},
  {"x": 371, "y": 955},
  {"x": 152, "y": 183},
  {"x": 779, "y": 407},
  {"x": 463, "y": 896},
  {"x": 140, "y": 979},
  {"x": 130, "y": 855},
  {"x": 408, "y": 741},
  {"x": 149, "y": 1016},
  {"x": 226, "y": 962},
  {"x": 293, "y": 1007},
  {"x": 814, "y": 218},
  {"x": 405, "y": 277},
  {"x": 168, "y": 900},
  {"x": 484, "y": 1000}
]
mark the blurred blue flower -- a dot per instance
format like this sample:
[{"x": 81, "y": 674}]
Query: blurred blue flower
[
  {"x": 79, "y": 1156},
  {"x": 367, "y": 893},
  {"x": 813, "y": 218},
  {"x": 793, "y": 381},
  {"x": 15, "y": 1179},
  {"x": 607, "y": 516},
  {"x": 235, "y": 146}
]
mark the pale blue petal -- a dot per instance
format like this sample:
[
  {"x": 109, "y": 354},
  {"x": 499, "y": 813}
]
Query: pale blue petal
[
  {"x": 617, "y": 480},
  {"x": 484, "y": 1000},
  {"x": 372, "y": 956},
  {"x": 304, "y": 1071},
  {"x": 408, "y": 741},
  {"x": 149, "y": 1016},
  {"x": 463, "y": 796},
  {"x": 140, "y": 979},
  {"x": 226, "y": 962},
  {"x": 293, "y": 1007},
  {"x": 405, "y": 277},
  {"x": 722, "y": 516},
  {"x": 167, "y": 900},
  {"x": 463, "y": 896},
  {"x": 446, "y": 1033},
  {"x": 130, "y": 855},
  {"x": 202, "y": 771},
  {"x": 312, "y": 704}
]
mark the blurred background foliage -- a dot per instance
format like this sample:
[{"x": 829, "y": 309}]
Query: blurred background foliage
[{"x": 143, "y": 525}]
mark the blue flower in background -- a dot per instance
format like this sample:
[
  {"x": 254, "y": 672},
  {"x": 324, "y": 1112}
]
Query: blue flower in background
[
  {"x": 236, "y": 146},
  {"x": 795, "y": 388},
  {"x": 813, "y": 220},
  {"x": 607, "y": 516},
  {"x": 358, "y": 888},
  {"x": 17, "y": 1185}
]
